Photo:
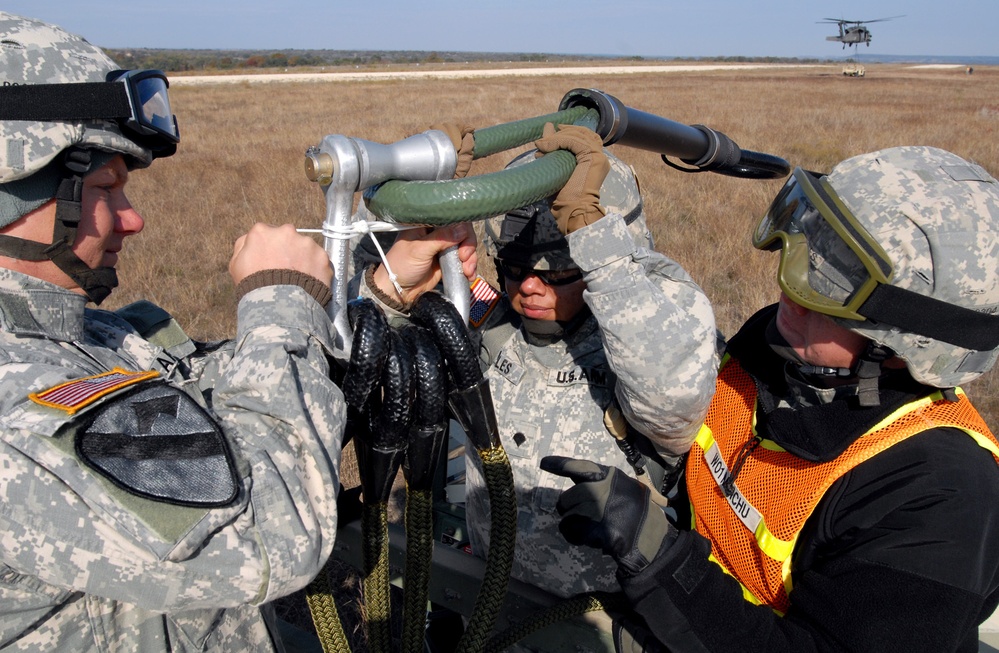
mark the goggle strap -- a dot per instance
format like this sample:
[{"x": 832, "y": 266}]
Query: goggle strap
[
  {"x": 932, "y": 318},
  {"x": 82, "y": 101}
]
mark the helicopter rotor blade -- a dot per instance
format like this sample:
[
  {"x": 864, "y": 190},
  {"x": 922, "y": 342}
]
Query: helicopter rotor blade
[
  {"x": 881, "y": 20},
  {"x": 858, "y": 22}
]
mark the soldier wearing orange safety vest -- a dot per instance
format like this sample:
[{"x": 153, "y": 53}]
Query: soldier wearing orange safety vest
[{"x": 843, "y": 487}]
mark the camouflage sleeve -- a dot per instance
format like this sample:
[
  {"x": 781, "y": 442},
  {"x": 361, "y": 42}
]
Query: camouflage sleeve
[
  {"x": 658, "y": 331},
  {"x": 361, "y": 286},
  {"x": 67, "y": 530},
  {"x": 285, "y": 417}
]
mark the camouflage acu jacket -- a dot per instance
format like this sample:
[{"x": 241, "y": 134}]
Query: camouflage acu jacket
[
  {"x": 649, "y": 345},
  {"x": 155, "y": 497}
]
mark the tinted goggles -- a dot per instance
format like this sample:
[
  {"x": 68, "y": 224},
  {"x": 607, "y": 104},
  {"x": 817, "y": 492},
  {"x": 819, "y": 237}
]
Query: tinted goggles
[
  {"x": 136, "y": 99},
  {"x": 548, "y": 277},
  {"x": 149, "y": 101},
  {"x": 829, "y": 262}
]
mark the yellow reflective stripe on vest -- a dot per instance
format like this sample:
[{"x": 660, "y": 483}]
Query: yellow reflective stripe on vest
[
  {"x": 776, "y": 549},
  {"x": 769, "y": 543}
]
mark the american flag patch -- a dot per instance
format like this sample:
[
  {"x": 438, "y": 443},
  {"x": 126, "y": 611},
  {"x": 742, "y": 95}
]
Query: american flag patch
[
  {"x": 484, "y": 298},
  {"x": 73, "y": 395}
]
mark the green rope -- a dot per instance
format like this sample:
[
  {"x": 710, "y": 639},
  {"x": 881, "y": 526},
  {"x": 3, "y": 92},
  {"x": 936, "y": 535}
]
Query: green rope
[
  {"x": 329, "y": 629},
  {"x": 419, "y": 554},
  {"x": 565, "y": 609},
  {"x": 502, "y": 538},
  {"x": 374, "y": 529}
]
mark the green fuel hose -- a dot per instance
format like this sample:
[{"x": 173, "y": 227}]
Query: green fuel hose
[
  {"x": 436, "y": 203},
  {"x": 483, "y": 196}
]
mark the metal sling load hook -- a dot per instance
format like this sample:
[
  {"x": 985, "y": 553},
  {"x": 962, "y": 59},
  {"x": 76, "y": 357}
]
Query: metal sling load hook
[{"x": 344, "y": 166}]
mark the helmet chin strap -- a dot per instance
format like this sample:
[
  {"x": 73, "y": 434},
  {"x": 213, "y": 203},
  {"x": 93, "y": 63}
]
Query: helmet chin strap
[
  {"x": 868, "y": 370},
  {"x": 97, "y": 283},
  {"x": 819, "y": 370},
  {"x": 865, "y": 373}
]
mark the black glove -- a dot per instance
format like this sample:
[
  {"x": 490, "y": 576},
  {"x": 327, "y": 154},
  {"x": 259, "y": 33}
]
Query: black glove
[{"x": 610, "y": 511}]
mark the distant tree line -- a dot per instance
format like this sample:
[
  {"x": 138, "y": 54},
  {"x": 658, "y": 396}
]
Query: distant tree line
[
  {"x": 184, "y": 60},
  {"x": 208, "y": 60}
]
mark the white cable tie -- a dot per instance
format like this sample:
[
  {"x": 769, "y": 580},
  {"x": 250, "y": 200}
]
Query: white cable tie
[
  {"x": 388, "y": 268},
  {"x": 362, "y": 227}
]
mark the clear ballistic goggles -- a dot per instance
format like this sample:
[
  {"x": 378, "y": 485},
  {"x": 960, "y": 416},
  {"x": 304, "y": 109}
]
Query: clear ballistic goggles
[
  {"x": 136, "y": 99},
  {"x": 829, "y": 262}
]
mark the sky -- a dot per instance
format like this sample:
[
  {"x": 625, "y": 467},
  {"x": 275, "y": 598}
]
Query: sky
[{"x": 645, "y": 28}]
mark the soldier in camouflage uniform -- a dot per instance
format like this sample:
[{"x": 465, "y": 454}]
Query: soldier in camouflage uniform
[
  {"x": 597, "y": 337},
  {"x": 156, "y": 493},
  {"x": 842, "y": 480}
]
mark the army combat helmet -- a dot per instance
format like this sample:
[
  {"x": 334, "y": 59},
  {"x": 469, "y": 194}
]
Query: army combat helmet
[
  {"x": 900, "y": 246},
  {"x": 529, "y": 236},
  {"x": 65, "y": 110}
]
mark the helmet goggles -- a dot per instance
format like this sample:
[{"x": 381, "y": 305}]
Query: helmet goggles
[
  {"x": 829, "y": 262},
  {"x": 136, "y": 99}
]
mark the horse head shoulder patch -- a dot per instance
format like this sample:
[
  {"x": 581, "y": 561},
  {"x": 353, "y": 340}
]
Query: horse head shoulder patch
[{"x": 158, "y": 443}]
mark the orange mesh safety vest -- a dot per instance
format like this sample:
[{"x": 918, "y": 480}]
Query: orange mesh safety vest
[{"x": 753, "y": 532}]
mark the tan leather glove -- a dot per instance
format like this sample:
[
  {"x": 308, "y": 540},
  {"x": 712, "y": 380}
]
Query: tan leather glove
[
  {"x": 463, "y": 139},
  {"x": 578, "y": 203}
]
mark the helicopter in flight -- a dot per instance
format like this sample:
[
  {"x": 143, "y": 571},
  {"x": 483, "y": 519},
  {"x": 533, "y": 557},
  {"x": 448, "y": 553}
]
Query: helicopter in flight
[{"x": 853, "y": 32}]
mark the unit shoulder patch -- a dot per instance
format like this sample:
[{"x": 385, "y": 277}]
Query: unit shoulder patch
[{"x": 158, "y": 443}]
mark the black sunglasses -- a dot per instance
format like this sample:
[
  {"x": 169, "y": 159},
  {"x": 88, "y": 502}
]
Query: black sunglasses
[{"x": 548, "y": 277}]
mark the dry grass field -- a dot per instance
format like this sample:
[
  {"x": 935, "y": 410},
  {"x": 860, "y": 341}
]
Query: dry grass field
[
  {"x": 241, "y": 161},
  {"x": 242, "y": 152}
]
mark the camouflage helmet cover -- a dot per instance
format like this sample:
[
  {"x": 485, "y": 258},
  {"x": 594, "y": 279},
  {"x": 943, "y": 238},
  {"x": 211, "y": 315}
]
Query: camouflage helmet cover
[
  {"x": 34, "y": 52},
  {"x": 540, "y": 245},
  {"x": 937, "y": 217}
]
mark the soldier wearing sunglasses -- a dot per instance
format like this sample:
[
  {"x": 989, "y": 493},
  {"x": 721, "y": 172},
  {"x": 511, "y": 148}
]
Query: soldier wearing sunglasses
[
  {"x": 598, "y": 346},
  {"x": 156, "y": 492}
]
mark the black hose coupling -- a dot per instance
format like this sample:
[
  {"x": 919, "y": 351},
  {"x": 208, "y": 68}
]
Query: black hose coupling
[
  {"x": 722, "y": 153},
  {"x": 473, "y": 408}
]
